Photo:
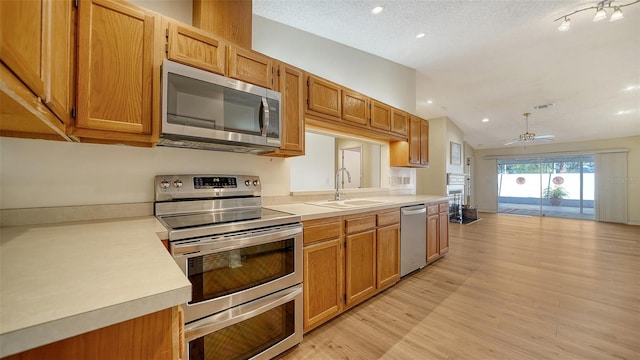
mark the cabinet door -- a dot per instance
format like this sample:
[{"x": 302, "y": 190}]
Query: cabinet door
[
  {"x": 360, "y": 254},
  {"x": 196, "y": 48},
  {"x": 115, "y": 68},
  {"x": 388, "y": 256},
  {"x": 292, "y": 90},
  {"x": 380, "y": 116},
  {"x": 414, "y": 140},
  {"x": 355, "y": 107},
  {"x": 432, "y": 237},
  {"x": 324, "y": 97},
  {"x": 322, "y": 282},
  {"x": 443, "y": 235},
  {"x": 399, "y": 122},
  {"x": 23, "y": 43},
  {"x": 61, "y": 64},
  {"x": 424, "y": 142},
  {"x": 251, "y": 67},
  {"x": 152, "y": 336}
]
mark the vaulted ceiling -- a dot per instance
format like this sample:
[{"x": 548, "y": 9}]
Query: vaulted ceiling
[{"x": 495, "y": 59}]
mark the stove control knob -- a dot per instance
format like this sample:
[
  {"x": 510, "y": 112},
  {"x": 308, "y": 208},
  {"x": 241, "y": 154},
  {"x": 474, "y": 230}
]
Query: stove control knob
[
  {"x": 177, "y": 183},
  {"x": 255, "y": 182},
  {"x": 164, "y": 184},
  {"x": 247, "y": 182}
]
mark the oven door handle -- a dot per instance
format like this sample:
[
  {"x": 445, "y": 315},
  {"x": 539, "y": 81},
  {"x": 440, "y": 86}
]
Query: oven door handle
[
  {"x": 219, "y": 244},
  {"x": 240, "y": 313}
]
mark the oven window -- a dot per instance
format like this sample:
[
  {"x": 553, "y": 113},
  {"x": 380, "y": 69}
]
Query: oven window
[
  {"x": 247, "y": 338},
  {"x": 228, "y": 272}
]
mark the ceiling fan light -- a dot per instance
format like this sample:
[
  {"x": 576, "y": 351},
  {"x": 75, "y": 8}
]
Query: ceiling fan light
[
  {"x": 601, "y": 14},
  {"x": 617, "y": 14},
  {"x": 566, "y": 25}
]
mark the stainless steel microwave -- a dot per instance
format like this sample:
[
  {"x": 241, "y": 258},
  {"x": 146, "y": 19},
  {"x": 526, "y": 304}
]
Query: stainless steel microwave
[{"x": 204, "y": 110}]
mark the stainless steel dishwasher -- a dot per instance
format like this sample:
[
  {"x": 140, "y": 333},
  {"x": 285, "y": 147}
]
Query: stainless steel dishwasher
[{"x": 413, "y": 238}]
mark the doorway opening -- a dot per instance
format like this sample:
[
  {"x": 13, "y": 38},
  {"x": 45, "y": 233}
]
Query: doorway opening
[{"x": 561, "y": 186}]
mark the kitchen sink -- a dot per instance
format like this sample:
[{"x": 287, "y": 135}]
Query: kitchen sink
[{"x": 348, "y": 204}]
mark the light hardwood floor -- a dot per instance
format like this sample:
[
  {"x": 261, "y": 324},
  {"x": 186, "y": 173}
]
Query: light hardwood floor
[{"x": 510, "y": 288}]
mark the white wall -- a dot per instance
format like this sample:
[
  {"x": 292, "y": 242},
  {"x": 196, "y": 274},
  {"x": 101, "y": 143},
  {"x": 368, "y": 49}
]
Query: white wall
[
  {"x": 41, "y": 173},
  {"x": 374, "y": 76},
  {"x": 433, "y": 180},
  {"x": 181, "y": 10},
  {"x": 485, "y": 179},
  {"x": 315, "y": 170}
]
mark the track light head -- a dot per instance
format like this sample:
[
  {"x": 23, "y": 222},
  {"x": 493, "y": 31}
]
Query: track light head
[
  {"x": 617, "y": 14},
  {"x": 566, "y": 25},
  {"x": 601, "y": 14}
]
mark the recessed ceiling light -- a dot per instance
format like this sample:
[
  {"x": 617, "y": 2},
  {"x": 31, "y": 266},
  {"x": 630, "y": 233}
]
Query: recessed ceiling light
[
  {"x": 420, "y": 36},
  {"x": 624, "y": 112},
  {"x": 377, "y": 10},
  {"x": 485, "y": 120},
  {"x": 429, "y": 101}
]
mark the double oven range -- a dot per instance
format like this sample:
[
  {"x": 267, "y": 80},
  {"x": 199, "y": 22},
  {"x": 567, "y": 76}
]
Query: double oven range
[{"x": 244, "y": 263}]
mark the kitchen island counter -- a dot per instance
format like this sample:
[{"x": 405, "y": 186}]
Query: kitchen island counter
[{"x": 62, "y": 280}]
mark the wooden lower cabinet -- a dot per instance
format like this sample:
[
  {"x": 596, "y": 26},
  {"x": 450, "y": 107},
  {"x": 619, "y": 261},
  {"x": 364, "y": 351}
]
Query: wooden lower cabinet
[
  {"x": 437, "y": 231},
  {"x": 323, "y": 264},
  {"x": 388, "y": 256},
  {"x": 348, "y": 260},
  {"x": 153, "y": 336},
  {"x": 360, "y": 265},
  {"x": 322, "y": 282}
]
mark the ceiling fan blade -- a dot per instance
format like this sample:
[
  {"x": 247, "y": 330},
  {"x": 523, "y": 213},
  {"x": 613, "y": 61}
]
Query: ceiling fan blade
[
  {"x": 511, "y": 142},
  {"x": 542, "y": 137}
]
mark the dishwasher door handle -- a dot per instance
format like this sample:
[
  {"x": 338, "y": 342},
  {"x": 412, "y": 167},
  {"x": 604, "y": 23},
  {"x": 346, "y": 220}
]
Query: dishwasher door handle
[{"x": 414, "y": 212}]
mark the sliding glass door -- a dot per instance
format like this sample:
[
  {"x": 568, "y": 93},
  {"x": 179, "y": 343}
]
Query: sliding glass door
[{"x": 561, "y": 186}]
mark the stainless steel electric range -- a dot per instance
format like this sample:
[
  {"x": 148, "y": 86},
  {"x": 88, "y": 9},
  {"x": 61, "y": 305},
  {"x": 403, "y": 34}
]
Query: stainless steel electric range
[{"x": 244, "y": 263}]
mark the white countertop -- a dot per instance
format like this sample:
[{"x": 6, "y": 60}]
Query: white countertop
[
  {"x": 310, "y": 212},
  {"x": 61, "y": 280}
]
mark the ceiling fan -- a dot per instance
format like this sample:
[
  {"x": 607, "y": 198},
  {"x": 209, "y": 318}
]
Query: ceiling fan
[{"x": 529, "y": 137}]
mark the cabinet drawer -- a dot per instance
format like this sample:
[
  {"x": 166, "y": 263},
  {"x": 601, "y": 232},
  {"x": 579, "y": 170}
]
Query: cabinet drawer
[
  {"x": 444, "y": 207},
  {"x": 432, "y": 209},
  {"x": 389, "y": 218},
  {"x": 321, "y": 229},
  {"x": 359, "y": 224}
]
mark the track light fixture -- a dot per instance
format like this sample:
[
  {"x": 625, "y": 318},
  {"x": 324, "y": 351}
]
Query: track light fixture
[{"x": 601, "y": 13}]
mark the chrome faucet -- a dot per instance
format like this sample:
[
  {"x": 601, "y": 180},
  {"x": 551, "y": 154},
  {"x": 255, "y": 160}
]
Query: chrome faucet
[{"x": 338, "y": 195}]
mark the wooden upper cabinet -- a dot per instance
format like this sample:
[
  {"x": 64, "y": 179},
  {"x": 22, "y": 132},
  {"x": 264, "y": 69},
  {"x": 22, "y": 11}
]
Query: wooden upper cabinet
[
  {"x": 415, "y": 152},
  {"x": 399, "y": 120},
  {"x": 228, "y": 19},
  {"x": 415, "y": 125},
  {"x": 424, "y": 142},
  {"x": 24, "y": 38},
  {"x": 36, "y": 44},
  {"x": 291, "y": 88},
  {"x": 115, "y": 69},
  {"x": 60, "y": 85},
  {"x": 324, "y": 98},
  {"x": 380, "y": 116},
  {"x": 193, "y": 47},
  {"x": 251, "y": 67},
  {"x": 355, "y": 107}
]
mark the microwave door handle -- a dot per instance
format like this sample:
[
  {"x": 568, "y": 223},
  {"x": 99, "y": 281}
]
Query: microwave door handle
[{"x": 264, "y": 116}]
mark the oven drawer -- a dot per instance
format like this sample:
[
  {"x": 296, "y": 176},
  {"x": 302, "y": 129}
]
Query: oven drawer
[
  {"x": 260, "y": 329},
  {"x": 231, "y": 269}
]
